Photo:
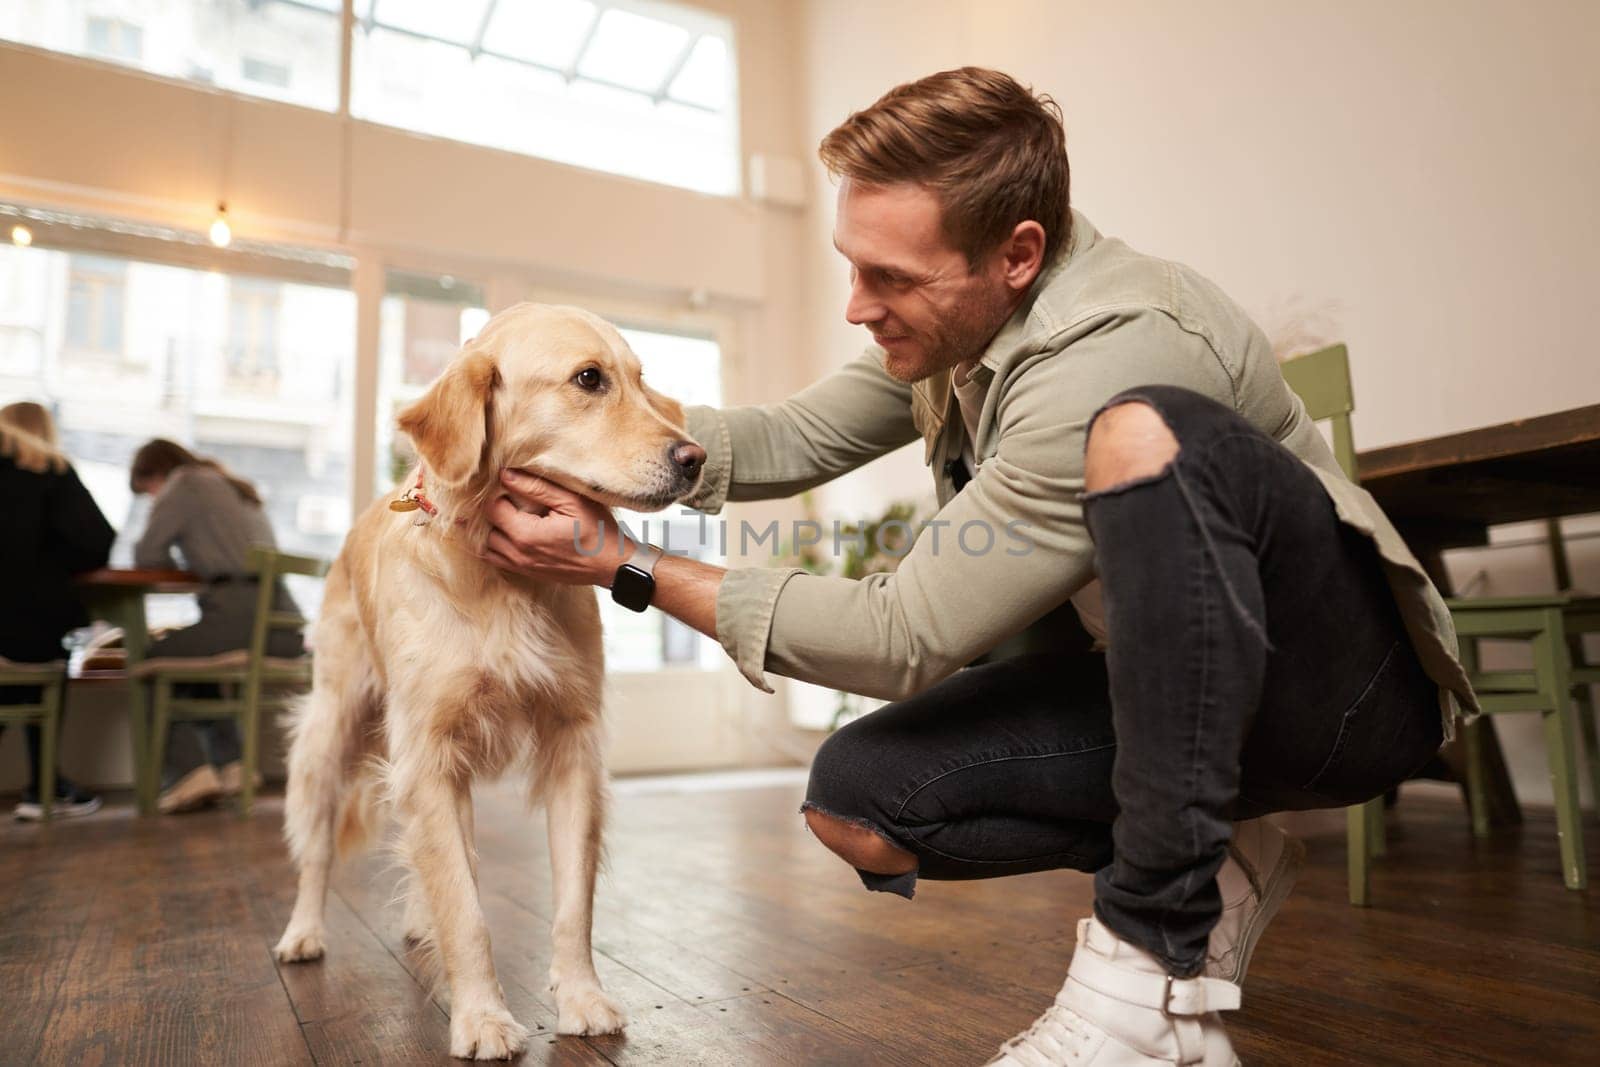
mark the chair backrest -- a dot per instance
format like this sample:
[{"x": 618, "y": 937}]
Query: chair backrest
[
  {"x": 1321, "y": 380},
  {"x": 268, "y": 565}
]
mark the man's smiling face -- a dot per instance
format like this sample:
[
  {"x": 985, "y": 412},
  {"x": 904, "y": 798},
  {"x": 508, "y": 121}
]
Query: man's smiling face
[{"x": 910, "y": 287}]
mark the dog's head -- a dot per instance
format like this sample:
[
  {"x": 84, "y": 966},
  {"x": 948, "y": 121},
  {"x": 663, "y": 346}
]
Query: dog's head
[{"x": 557, "y": 392}]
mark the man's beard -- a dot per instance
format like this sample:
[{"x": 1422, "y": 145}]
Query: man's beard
[{"x": 967, "y": 330}]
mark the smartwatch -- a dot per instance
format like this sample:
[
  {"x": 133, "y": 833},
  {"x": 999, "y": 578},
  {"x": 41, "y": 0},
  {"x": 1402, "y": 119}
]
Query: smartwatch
[{"x": 634, "y": 584}]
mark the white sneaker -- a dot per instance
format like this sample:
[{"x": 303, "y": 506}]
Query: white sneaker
[
  {"x": 1120, "y": 1008},
  {"x": 1262, "y": 865},
  {"x": 69, "y": 803},
  {"x": 194, "y": 790}
]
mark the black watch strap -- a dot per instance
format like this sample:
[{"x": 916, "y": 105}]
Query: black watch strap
[{"x": 634, "y": 584}]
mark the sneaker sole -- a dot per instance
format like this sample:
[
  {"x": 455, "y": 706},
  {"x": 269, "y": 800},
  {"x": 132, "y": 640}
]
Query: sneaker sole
[
  {"x": 190, "y": 803},
  {"x": 35, "y": 812},
  {"x": 1273, "y": 894}
]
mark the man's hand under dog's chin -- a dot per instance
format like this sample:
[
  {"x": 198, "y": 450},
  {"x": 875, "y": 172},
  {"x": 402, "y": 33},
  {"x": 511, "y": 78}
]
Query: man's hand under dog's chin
[{"x": 546, "y": 532}]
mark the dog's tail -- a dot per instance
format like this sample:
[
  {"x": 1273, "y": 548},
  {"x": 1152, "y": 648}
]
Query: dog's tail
[{"x": 330, "y": 796}]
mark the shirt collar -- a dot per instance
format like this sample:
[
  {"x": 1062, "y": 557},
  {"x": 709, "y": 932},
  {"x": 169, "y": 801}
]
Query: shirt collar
[{"x": 1082, "y": 237}]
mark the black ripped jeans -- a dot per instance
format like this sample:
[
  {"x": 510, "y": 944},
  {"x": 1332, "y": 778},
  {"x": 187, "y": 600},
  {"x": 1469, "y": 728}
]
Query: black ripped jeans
[{"x": 1257, "y": 663}]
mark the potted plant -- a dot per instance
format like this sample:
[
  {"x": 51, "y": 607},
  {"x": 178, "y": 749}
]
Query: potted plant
[{"x": 873, "y": 546}]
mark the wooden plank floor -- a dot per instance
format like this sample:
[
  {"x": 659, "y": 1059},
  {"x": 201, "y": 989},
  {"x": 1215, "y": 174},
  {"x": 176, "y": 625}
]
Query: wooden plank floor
[{"x": 732, "y": 938}]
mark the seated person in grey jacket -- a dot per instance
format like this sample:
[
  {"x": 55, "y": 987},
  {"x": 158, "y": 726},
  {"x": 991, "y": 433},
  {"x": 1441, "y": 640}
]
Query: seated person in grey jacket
[{"x": 211, "y": 518}]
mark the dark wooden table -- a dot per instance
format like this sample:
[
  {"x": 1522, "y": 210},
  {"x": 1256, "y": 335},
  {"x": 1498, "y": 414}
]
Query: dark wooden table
[
  {"x": 1446, "y": 492},
  {"x": 116, "y": 594}
]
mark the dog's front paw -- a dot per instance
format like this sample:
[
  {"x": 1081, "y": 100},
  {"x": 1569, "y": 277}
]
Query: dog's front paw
[
  {"x": 585, "y": 1009},
  {"x": 299, "y": 944},
  {"x": 486, "y": 1034}
]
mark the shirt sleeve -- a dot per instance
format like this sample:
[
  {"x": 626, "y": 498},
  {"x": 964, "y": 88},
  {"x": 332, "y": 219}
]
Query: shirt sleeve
[
  {"x": 169, "y": 514},
  {"x": 764, "y": 452},
  {"x": 1009, "y": 547}
]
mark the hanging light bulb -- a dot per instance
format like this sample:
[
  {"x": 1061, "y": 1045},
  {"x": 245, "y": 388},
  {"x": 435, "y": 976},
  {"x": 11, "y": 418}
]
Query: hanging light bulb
[
  {"x": 221, "y": 232},
  {"x": 21, "y": 236}
]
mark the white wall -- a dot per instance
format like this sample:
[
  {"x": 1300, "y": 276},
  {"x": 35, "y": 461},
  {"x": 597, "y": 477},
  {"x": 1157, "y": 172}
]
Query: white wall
[
  {"x": 1419, "y": 175},
  {"x": 1415, "y": 178}
]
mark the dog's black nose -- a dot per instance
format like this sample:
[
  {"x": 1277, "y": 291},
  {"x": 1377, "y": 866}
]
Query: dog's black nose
[{"x": 688, "y": 457}]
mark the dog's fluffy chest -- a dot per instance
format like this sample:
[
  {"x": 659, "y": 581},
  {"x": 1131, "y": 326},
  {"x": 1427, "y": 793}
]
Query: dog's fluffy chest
[{"x": 524, "y": 644}]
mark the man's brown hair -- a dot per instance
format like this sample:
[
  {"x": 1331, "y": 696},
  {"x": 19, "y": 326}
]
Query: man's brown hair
[{"x": 993, "y": 153}]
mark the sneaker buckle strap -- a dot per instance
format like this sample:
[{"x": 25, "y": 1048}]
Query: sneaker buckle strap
[
  {"x": 1198, "y": 996},
  {"x": 1163, "y": 993}
]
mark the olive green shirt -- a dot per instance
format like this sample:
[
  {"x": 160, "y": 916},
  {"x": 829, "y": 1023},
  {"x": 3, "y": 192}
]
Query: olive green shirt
[{"x": 1101, "y": 319}]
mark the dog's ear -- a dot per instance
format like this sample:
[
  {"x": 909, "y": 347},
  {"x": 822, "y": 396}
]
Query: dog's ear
[
  {"x": 449, "y": 424},
  {"x": 669, "y": 408}
]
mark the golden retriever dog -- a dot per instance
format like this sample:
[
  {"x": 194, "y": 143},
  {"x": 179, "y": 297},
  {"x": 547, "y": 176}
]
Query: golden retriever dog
[{"x": 434, "y": 668}]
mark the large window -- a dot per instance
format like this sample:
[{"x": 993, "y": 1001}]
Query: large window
[
  {"x": 253, "y": 372},
  {"x": 283, "y": 49},
  {"x": 635, "y": 88},
  {"x": 689, "y": 369},
  {"x": 425, "y": 321}
]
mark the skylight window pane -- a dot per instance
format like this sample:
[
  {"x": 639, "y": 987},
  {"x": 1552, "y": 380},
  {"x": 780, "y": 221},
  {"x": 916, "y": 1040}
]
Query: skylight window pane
[
  {"x": 547, "y": 32},
  {"x": 456, "y": 21},
  {"x": 613, "y": 115},
  {"x": 632, "y": 50},
  {"x": 704, "y": 78}
]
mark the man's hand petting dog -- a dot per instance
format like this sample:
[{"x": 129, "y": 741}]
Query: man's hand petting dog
[{"x": 543, "y": 531}]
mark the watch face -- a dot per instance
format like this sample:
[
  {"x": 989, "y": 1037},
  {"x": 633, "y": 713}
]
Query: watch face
[{"x": 632, "y": 587}]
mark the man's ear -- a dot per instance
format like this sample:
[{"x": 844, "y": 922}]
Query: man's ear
[
  {"x": 449, "y": 424},
  {"x": 1023, "y": 255}
]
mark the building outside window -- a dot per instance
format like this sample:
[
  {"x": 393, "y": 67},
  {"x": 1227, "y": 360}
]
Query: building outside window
[
  {"x": 253, "y": 307},
  {"x": 113, "y": 38},
  {"x": 96, "y": 299},
  {"x": 265, "y": 72},
  {"x": 282, "y": 49}
]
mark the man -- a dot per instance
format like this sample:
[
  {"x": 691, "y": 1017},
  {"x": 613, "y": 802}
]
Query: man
[{"x": 1268, "y": 642}]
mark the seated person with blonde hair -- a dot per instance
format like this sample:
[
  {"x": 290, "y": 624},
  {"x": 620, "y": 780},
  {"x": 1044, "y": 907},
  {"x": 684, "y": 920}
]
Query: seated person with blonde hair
[{"x": 53, "y": 530}]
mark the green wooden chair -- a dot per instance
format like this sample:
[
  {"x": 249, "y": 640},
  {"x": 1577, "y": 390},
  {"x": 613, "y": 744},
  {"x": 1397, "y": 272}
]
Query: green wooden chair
[
  {"x": 1322, "y": 381},
  {"x": 245, "y": 677},
  {"x": 1557, "y": 687},
  {"x": 1554, "y": 626},
  {"x": 51, "y": 678}
]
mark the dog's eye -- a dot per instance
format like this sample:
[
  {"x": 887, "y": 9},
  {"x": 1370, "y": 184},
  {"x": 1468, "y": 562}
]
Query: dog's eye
[{"x": 590, "y": 378}]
